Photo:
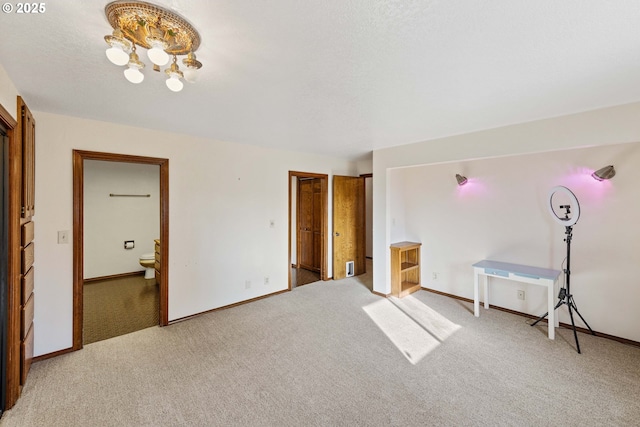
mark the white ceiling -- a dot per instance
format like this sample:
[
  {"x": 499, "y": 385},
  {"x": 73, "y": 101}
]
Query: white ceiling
[{"x": 339, "y": 77}]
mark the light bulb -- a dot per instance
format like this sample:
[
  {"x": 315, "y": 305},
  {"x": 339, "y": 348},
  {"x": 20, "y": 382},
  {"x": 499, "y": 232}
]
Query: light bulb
[
  {"x": 174, "y": 83},
  {"x": 119, "y": 47},
  {"x": 156, "y": 54},
  {"x": 133, "y": 74},
  {"x": 174, "y": 73},
  {"x": 117, "y": 55}
]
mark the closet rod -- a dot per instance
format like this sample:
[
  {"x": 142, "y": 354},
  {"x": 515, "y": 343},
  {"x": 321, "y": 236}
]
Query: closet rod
[{"x": 129, "y": 195}]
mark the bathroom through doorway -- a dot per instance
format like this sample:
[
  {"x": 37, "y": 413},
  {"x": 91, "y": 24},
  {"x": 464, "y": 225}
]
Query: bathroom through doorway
[{"x": 120, "y": 211}]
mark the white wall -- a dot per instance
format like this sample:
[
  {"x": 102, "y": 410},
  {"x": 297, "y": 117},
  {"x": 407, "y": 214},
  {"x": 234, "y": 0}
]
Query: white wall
[
  {"x": 502, "y": 214},
  {"x": 8, "y": 94},
  {"x": 222, "y": 197},
  {"x": 110, "y": 221},
  {"x": 365, "y": 166},
  {"x": 421, "y": 197}
]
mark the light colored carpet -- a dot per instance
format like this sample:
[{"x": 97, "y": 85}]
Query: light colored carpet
[
  {"x": 119, "y": 306},
  {"x": 333, "y": 354}
]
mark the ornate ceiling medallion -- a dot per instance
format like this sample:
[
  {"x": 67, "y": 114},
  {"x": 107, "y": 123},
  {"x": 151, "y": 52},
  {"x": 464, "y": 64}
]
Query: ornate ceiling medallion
[{"x": 162, "y": 32}]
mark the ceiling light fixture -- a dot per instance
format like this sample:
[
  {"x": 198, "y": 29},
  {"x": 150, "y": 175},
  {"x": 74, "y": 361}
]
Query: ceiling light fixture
[
  {"x": 162, "y": 32},
  {"x": 606, "y": 172},
  {"x": 462, "y": 180}
]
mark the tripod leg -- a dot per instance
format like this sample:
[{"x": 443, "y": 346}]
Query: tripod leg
[
  {"x": 583, "y": 321},
  {"x": 540, "y": 318},
  {"x": 547, "y": 313},
  {"x": 575, "y": 334}
]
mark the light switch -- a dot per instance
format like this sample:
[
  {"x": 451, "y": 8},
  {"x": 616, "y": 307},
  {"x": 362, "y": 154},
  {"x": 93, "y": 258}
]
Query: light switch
[{"x": 63, "y": 237}]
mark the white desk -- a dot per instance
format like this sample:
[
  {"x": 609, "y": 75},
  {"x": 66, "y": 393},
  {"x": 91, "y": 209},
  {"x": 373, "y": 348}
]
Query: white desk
[{"x": 519, "y": 273}]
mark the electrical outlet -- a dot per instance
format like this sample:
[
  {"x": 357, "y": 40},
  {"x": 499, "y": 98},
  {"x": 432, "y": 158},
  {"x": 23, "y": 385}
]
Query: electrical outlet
[
  {"x": 247, "y": 284},
  {"x": 266, "y": 280},
  {"x": 434, "y": 276},
  {"x": 521, "y": 294}
]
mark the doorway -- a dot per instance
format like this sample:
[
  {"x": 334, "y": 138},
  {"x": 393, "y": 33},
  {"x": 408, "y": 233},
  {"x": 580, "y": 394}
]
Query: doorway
[
  {"x": 307, "y": 228},
  {"x": 79, "y": 158},
  {"x": 121, "y": 224}
]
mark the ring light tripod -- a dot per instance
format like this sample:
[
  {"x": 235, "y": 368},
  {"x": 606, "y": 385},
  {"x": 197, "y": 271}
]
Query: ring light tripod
[{"x": 567, "y": 219}]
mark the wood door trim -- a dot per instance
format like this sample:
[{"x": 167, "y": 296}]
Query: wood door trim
[
  {"x": 13, "y": 387},
  {"x": 78, "y": 231},
  {"x": 324, "y": 188},
  {"x": 7, "y": 119}
]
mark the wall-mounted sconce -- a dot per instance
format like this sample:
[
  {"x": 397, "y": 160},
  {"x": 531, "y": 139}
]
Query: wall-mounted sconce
[
  {"x": 606, "y": 172},
  {"x": 462, "y": 180}
]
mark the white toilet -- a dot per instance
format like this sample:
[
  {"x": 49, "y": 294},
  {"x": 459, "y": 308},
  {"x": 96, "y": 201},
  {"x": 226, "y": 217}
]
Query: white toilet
[{"x": 148, "y": 261}]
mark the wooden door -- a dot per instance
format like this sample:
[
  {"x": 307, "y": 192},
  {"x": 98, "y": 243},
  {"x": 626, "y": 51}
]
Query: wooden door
[
  {"x": 20, "y": 248},
  {"x": 317, "y": 225},
  {"x": 4, "y": 260},
  {"x": 319, "y": 222},
  {"x": 309, "y": 247},
  {"x": 28, "y": 128},
  {"x": 27, "y": 125},
  {"x": 305, "y": 224},
  {"x": 348, "y": 225}
]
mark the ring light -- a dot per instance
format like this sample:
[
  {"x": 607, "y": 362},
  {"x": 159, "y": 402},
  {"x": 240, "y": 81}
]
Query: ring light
[
  {"x": 567, "y": 218},
  {"x": 571, "y": 211}
]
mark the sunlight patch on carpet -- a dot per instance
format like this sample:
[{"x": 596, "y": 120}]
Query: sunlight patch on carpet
[{"x": 414, "y": 328}]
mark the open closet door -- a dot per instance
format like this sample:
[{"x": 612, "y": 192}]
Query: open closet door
[{"x": 348, "y": 226}]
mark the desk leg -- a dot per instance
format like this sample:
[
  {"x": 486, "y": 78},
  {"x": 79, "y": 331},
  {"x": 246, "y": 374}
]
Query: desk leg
[
  {"x": 556, "y": 290},
  {"x": 486, "y": 292},
  {"x": 551, "y": 317},
  {"x": 476, "y": 299}
]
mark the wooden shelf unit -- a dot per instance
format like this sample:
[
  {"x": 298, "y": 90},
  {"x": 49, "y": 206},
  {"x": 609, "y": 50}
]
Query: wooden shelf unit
[
  {"x": 405, "y": 268},
  {"x": 157, "y": 263}
]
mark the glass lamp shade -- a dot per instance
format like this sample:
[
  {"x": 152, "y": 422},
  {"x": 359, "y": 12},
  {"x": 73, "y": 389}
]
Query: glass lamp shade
[
  {"x": 133, "y": 74},
  {"x": 174, "y": 83},
  {"x": 156, "y": 54},
  {"x": 192, "y": 65},
  {"x": 117, "y": 55},
  {"x": 190, "y": 74}
]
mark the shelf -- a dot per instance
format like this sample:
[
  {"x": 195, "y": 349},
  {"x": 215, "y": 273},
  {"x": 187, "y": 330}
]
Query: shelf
[
  {"x": 406, "y": 266},
  {"x": 407, "y": 288}
]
